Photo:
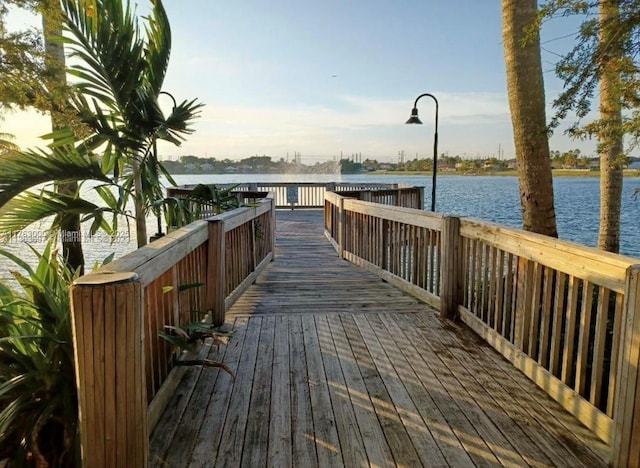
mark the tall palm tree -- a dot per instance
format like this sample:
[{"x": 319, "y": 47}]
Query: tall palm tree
[
  {"x": 527, "y": 104},
  {"x": 119, "y": 104},
  {"x": 120, "y": 82}
]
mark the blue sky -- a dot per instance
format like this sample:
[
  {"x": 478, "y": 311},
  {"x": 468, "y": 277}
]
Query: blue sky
[{"x": 332, "y": 76}]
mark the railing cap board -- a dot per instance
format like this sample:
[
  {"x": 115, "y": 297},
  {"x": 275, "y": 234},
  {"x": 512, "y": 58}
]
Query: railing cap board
[
  {"x": 395, "y": 213},
  {"x": 106, "y": 277},
  {"x": 234, "y": 218},
  {"x": 153, "y": 259},
  {"x": 362, "y": 185},
  {"x": 185, "y": 238},
  {"x": 332, "y": 197},
  {"x": 600, "y": 267}
]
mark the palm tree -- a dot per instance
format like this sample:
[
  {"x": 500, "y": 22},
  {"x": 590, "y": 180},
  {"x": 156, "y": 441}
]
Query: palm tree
[
  {"x": 526, "y": 102},
  {"x": 120, "y": 103},
  {"x": 120, "y": 107}
]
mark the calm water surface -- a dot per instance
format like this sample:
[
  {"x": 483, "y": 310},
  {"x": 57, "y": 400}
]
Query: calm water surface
[
  {"x": 491, "y": 198},
  {"x": 494, "y": 198}
]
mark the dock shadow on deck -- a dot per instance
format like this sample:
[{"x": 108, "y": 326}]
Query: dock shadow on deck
[{"x": 334, "y": 367}]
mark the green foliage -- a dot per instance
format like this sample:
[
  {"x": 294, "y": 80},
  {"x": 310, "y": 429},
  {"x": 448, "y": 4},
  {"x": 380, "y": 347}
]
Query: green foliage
[
  {"x": 582, "y": 67},
  {"x": 64, "y": 160},
  {"x": 190, "y": 338},
  {"x": 119, "y": 83},
  {"x": 180, "y": 211},
  {"x": 38, "y": 402},
  {"x": 222, "y": 199}
]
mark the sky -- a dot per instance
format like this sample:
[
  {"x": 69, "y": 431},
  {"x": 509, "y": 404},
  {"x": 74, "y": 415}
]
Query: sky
[{"x": 333, "y": 77}]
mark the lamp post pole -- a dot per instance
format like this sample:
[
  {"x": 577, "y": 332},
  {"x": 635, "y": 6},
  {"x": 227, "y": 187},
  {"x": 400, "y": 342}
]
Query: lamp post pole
[
  {"x": 160, "y": 234},
  {"x": 414, "y": 119}
]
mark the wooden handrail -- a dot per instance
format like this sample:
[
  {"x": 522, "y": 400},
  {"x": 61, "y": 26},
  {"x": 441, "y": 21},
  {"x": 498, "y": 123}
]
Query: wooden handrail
[
  {"x": 566, "y": 315},
  {"x": 124, "y": 371},
  {"x": 311, "y": 194}
]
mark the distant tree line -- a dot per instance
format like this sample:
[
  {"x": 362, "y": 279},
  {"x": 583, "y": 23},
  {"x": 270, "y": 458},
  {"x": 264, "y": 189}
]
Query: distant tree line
[{"x": 571, "y": 159}]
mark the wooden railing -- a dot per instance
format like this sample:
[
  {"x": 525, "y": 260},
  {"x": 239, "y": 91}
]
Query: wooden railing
[
  {"x": 125, "y": 371},
  {"x": 566, "y": 315},
  {"x": 292, "y": 194}
]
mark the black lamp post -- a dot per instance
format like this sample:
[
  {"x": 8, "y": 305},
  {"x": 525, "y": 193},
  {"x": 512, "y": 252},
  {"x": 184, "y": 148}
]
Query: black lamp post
[
  {"x": 414, "y": 119},
  {"x": 160, "y": 234}
]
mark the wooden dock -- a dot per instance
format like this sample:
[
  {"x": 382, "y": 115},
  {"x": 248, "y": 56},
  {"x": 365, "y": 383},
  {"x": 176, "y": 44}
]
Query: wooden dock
[{"x": 334, "y": 367}]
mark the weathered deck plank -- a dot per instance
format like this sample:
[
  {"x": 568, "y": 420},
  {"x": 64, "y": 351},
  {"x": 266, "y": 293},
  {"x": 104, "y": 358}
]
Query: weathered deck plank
[{"x": 334, "y": 367}]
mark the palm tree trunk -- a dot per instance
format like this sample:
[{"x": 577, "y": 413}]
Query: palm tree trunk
[
  {"x": 610, "y": 133},
  {"x": 527, "y": 104},
  {"x": 140, "y": 210},
  {"x": 70, "y": 229}
]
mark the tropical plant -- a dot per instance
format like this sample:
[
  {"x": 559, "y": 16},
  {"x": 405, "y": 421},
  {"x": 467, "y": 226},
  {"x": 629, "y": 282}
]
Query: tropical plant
[
  {"x": 190, "y": 338},
  {"x": 203, "y": 199},
  {"x": 187, "y": 340},
  {"x": 63, "y": 161},
  {"x": 38, "y": 402},
  {"x": 525, "y": 90},
  {"x": 121, "y": 103},
  {"x": 120, "y": 107}
]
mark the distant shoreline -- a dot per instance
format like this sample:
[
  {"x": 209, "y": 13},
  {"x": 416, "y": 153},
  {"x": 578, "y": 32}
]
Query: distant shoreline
[
  {"x": 508, "y": 173},
  {"x": 512, "y": 173}
]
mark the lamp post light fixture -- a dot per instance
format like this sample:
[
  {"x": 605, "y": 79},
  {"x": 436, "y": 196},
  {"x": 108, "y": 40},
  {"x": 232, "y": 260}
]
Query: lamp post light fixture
[{"x": 414, "y": 119}]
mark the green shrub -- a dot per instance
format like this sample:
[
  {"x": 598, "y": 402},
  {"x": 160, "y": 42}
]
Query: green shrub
[{"x": 38, "y": 397}]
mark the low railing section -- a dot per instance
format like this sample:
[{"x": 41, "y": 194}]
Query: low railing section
[
  {"x": 292, "y": 194},
  {"x": 125, "y": 371},
  {"x": 566, "y": 315}
]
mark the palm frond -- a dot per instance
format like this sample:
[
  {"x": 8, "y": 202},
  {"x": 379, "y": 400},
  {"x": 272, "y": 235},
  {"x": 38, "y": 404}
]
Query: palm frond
[
  {"x": 31, "y": 207},
  {"x": 158, "y": 32},
  {"x": 6, "y": 143},
  {"x": 24, "y": 169}
]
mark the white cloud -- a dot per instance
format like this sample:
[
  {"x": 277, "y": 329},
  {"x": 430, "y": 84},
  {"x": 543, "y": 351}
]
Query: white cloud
[{"x": 469, "y": 123}]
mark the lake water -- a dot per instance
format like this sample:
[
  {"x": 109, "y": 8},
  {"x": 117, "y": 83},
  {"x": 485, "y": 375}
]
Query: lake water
[{"x": 491, "y": 198}]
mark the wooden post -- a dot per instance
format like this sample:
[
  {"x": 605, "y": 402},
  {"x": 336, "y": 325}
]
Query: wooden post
[
  {"x": 106, "y": 315},
  {"x": 342, "y": 229},
  {"x": 384, "y": 245},
  {"x": 273, "y": 227},
  {"x": 524, "y": 296},
  {"x": 420, "y": 198},
  {"x": 626, "y": 415},
  {"x": 216, "y": 280},
  {"x": 450, "y": 268}
]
